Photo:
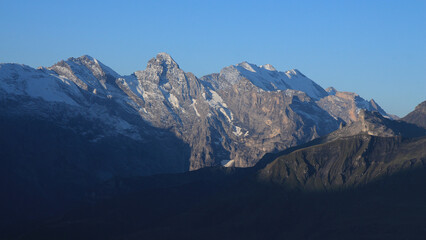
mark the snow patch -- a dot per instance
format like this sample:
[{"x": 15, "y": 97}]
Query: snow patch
[
  {"x": 216, "y": 101},
  {"x": 195, "y": 108},
  {"x": 225, "y": 113},
  {"x": 237, "y": 131},
  {"x": 227, "y": 163},
  {"x": 173, "y": 100}
]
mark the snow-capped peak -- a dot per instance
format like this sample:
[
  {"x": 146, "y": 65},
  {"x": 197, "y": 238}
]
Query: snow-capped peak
[
  {"x": 268, "y": 78},
  {"x": 81, "y": 58},
  {"x": 93, "y": 64},
  {"x": 268, "y": 67},
  {"x": 89, "y": 74}
]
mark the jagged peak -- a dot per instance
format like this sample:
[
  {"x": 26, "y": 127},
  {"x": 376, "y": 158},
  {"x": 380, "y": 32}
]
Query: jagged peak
[
  {"x": 78, "y": 60},
  {"x": 83, "y": 58},
  {"x": 268, "y": 67},
  {"x": 84, "y": 71},
  {"x": 61, "y": 63},
  {"x": 163, "y": 59},
  {"x": 86, "y": 61}
]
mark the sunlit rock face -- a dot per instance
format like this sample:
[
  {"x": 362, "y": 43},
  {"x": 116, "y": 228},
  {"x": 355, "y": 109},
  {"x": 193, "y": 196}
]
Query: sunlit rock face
[{"x": 347, "y": 105}]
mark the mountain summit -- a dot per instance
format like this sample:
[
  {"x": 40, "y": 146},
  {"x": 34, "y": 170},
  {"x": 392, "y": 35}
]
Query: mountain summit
[
  {"x": 418, "y": 116},
  {"x": 163, "y": 59}
]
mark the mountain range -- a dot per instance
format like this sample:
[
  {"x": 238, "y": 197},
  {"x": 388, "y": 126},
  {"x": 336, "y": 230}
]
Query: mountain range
[
  {"x": 233, "y": 117},
  {"x": 78, "y": 134}
]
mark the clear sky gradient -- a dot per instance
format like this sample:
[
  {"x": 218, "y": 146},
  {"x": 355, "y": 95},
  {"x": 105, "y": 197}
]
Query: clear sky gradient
[{"x": 374, "y": 48}]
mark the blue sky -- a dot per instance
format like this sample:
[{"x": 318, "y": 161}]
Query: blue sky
[{"x": 374, "y": 48}]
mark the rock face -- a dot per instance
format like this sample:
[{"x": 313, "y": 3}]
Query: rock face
[
  {"x": 346, "y": 105},
  {"x": 418, "y": 116},
  {"x": 229, "y": 118}
]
